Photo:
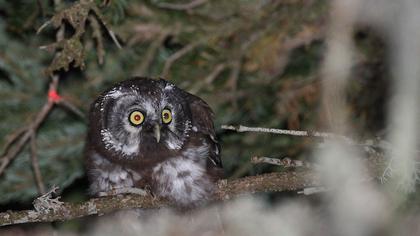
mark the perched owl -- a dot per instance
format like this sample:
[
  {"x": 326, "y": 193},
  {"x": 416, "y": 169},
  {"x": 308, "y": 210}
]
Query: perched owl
[{"x": 147, "y": 133}]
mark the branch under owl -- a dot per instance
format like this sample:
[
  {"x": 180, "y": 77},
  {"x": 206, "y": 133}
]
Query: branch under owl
[
  {"x": 226, "y": 189},
  {"x": 302, "y": 178}
]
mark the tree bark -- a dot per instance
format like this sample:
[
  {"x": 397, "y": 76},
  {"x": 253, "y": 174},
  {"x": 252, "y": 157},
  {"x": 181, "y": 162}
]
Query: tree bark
[{"x": 273, "y": 182}]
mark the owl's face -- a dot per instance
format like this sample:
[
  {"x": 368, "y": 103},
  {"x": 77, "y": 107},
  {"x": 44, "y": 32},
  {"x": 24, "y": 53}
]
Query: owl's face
[{"x": 141, "y": 116}]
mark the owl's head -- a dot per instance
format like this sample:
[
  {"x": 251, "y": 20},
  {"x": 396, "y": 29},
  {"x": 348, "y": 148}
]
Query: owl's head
[{"x": 139, "y": 117}]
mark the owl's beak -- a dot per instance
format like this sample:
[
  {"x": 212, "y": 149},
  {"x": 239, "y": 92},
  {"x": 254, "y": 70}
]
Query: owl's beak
[{"x": 156, "y": 131}]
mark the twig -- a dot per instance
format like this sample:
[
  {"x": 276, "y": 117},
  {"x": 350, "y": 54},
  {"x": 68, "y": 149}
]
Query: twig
[
  {"x": 108, "y": 29},
  {"x": 66, "y": 104},
  {"x": 150, "y": 54},
  {"x": 41, "y": 8},
  {"x": 11, "y": 138},
  {"x": 35, "y": 166},
  {"x": 182, "y": 7},
  {"x": 285, "y": 162},
  {"x": 312, "y": 190},
  {"x": 98, "y": 36},
  {"x": 42, "y": 27},
  {"x": 287, "y": 181},
  {"x": 300, "y": 133},
  {"x": 174, "y": 57},
  {"x": 114, "y": 38},
  {"x": 232, "y": 82},
  {"x": 31, "y": 19},
  {"x": 210, "y": 78}
]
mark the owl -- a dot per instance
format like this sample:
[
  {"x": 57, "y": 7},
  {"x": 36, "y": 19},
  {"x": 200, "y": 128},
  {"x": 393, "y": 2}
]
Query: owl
[{"x": 148, "y": 133}]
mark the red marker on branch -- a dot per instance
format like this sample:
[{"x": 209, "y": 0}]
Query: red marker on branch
[{"x": 53, "y": 96}]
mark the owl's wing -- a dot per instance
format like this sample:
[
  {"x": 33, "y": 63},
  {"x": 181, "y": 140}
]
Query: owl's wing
[{"x": 202, "y": 119}]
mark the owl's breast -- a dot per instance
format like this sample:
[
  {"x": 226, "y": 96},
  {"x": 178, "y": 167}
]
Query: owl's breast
[
  {"x": 182, "y": 181},
  {"x": 105, "y": 175}
]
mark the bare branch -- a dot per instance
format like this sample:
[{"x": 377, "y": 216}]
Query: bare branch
[
  {"x": 182, "y": 7},
  {"x": 42, "y": 27},
  {"x": 300, "y": 133},
  {"x": 41, "y": 8},
  {"x": 114, "y": 38},
  {"x": 209, "y": 79},
  {"x": 174, "y": 57},
  {"x": 22, "y": 140},
  {"x": 11, "y": 138},
  {"x": 151, "y": 52},
  {"x": 100, "y": 51},
  {"x": 285, "y": 181},
  {"x": 10, "y": 155},
  {"x": 35, "y": 166},
  {"x": 285, "y": 162},
  {"x": 66, "y": 104}
]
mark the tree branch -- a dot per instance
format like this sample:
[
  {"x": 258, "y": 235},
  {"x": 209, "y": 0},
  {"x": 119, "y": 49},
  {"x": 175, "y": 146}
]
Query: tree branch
[
  {"x": 174, "y": 57},
  {"x": 151, "y": 52},
  {"x": 9, "y": 155},
  {"x": 301, "y": 133},
  {"x": 285, "y": 162},
  {"x": 284, "y": 181},
  {"x": 35, "y": 165},
  {"x": 182, "y": 7}
]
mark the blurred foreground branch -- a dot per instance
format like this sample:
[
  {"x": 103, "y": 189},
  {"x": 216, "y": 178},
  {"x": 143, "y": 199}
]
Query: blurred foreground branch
[{"x": 285, "y": 181}]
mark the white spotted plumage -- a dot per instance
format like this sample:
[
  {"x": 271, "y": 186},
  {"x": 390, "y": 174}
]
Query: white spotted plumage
[
  {"x": 108, "y": 176},
  {"x": 126, "y": 149},
  {"x": 182, "y": 180}
]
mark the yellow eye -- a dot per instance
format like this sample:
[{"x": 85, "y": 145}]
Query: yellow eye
[
  {"x": 166, "y": 116},
  {"x": 136, "y": 118}
]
